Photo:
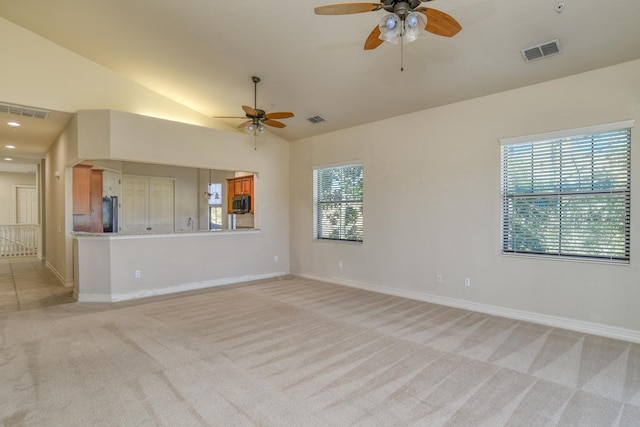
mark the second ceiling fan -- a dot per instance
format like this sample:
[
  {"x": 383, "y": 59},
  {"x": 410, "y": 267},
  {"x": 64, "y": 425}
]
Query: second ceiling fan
[
  {"x": 257, "y": 117},
  {"x": 405, "y": 21}
]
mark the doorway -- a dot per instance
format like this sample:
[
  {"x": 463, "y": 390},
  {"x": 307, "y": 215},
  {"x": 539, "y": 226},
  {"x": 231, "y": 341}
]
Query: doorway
[{"x": 26, "y": 205}]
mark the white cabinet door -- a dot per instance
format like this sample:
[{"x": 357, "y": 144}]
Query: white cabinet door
[
  {"x": 161, "y": 208},
  {"x": 147, "y": 205},
  {"x": 110, "y": 184},
  {"x": 134, "y": 214}
]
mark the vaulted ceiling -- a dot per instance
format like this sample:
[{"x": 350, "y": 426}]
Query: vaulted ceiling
[{"x": 202, "y": 53}]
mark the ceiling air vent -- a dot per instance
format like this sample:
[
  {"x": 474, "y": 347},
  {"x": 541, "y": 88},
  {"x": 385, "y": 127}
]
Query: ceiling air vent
[
  {"x": 541, "y": 51},
  {"x": 23, "y": 111},
  {"x": 316, "y": 119}
]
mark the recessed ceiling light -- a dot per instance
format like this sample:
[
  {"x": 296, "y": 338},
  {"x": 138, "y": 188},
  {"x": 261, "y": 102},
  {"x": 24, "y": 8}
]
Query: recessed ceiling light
[
  {"x": 14, "y": 124},
  {"x": 8, "y": 159},
  {"x": 10, "y": 146}
]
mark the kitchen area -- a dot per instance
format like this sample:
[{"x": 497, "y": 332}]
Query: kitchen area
[
  {"x": 127, "y": 197},
  {"x": 241, "y": 200},
  {"x": 134, "y": 214},
  {"x": 162, "y": 240}
]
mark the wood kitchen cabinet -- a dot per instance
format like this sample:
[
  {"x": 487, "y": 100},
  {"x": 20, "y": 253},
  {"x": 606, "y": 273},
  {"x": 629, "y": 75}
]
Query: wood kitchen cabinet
[
  {"x": 87, "y": 199},
  {"x": 82, "y": 189},
  {"x": 95, "y": 218},
  {"x": 237, "y": 186},
  {"x": 247, "y": 185}
]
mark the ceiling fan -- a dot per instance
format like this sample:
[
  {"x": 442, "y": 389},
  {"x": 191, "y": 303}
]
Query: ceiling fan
[
  {"x": 406, "y": 20},
  {"x": 257, "y": 117}
]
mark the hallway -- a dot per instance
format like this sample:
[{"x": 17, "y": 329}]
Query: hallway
[{"x": 26, "y": 283}]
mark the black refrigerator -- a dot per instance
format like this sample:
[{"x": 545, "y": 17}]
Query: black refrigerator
[{"x": 110, "y": 214}]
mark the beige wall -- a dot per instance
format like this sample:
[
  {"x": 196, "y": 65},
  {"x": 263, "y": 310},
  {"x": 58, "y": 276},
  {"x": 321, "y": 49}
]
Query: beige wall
[
  {"x": 432, "y": 204},
  {"x": 58, "y": 223},
  {"x": 8, "y": 183}
]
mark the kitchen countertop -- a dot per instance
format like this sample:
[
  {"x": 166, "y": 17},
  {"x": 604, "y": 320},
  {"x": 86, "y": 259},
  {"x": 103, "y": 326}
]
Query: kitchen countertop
[{"x": 164, "y": 233}]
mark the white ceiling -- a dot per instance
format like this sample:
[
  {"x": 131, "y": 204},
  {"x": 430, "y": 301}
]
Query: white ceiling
[{"x": 202, "y": 53}]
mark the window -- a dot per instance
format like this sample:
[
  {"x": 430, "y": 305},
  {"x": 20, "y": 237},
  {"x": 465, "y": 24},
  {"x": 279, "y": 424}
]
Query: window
[
  {"x": 569, "y": 195},
  {"x": 338, "y": 203},
  {"x": 214, "y": 194}
]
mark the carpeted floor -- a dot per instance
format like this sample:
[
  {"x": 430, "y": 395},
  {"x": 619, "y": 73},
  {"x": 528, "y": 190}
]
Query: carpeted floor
[{"x": 296, "y": 352}]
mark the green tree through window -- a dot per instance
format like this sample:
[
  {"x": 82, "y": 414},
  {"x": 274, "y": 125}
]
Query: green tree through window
[
  {"x": 569, "y": 196},
  {"x": 338, "y": 208}
]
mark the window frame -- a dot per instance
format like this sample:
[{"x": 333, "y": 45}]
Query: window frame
[
  {"x": 317, "y": 229},
  {"x": 562, "y": 196},
  {"x": 214, "y": 205}
]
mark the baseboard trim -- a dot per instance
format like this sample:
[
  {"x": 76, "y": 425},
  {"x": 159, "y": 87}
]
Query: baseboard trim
[
  {"x": 184, "y": 287},
  {"x": 528, "y": 316},
  {"x": 56, "y": 273},
  {"x": 92, "y": 297}
]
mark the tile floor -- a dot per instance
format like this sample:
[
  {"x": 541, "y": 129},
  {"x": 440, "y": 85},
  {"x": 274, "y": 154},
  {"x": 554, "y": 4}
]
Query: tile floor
[{"x": 26, "y": 283}]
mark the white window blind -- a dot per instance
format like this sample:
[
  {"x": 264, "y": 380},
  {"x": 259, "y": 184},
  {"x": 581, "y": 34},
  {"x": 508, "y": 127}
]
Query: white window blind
[
  {"x": 568, "y": 196},
  {"x": 338, "y": 208}
]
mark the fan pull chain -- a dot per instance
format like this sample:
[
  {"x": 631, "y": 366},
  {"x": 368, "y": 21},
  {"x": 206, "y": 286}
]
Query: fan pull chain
[{"x": 401, "y": 54}]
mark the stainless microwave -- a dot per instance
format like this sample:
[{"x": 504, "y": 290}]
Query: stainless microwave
[{"x": 241, "y": 203}]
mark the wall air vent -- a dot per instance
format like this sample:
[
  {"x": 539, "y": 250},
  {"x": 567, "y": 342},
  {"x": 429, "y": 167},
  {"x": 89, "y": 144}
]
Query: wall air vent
[
  {"x": 316, "y": 119},
  {"x": 23, "y": 111},
  {"x": 541, "y": 51}
]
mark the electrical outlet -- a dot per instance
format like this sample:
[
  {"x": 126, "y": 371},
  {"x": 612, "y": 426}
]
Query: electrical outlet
[
  {"x": 340, "y": 264},
  {"x": 138, "y": 274},
  {"x": 467, "y": 282},
  {"x": 439, "y": 278},
  {"x": 275, "y": 258}
]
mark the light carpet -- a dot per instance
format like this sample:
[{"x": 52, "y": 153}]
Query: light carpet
[{"x": 297, "y": 352}]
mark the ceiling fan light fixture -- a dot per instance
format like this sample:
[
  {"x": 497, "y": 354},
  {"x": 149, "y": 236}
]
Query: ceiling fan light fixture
[
  {"x": 258, "y": 118},
  {"x": 390, "y": 28},
  {"x": 414, "y": 26},
  {"x": 391, "y": 22}
]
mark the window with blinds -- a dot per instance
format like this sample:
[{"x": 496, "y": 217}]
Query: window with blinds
[
  {"x": 338, "y": 210},
  {"x": 568, "y": 196}
]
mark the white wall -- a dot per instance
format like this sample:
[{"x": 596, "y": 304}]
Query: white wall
[{"x": 432, "y": 205}]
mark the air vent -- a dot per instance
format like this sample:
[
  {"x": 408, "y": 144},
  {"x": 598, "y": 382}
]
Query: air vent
[
  {"x": 23, "y": 111},
  {"x": 541, "y": 51},
  {"x": 316, "y": 119}
]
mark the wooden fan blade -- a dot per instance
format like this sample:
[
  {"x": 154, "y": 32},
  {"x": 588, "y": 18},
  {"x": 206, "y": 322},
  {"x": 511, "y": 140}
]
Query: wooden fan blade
[
  {"x": 249, "y": 110},
  {"x": 374, "y": 40},
  {"x": 279, "y": 115},
  {"x": 347, "y": 8},
  {"x": 440, "y": 23},
  {"x": 274, "y": 123},
  {"x": 244, "y": 124}
]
